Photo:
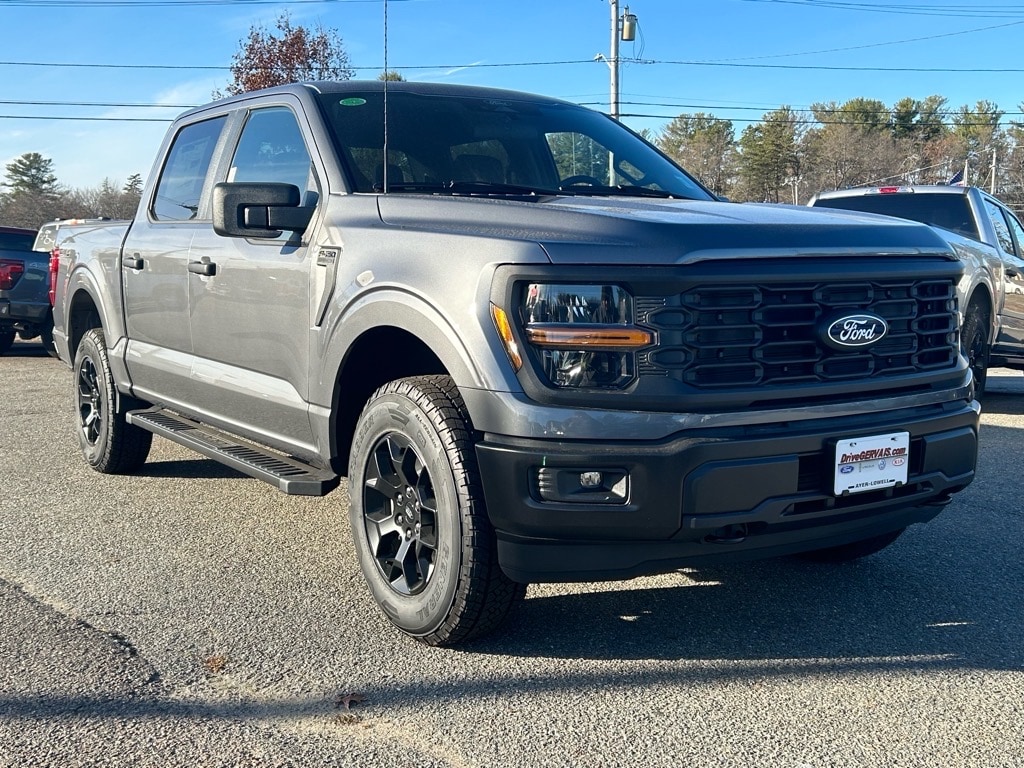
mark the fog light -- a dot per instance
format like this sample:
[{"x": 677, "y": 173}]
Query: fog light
[{"x": 581, "y": 486}]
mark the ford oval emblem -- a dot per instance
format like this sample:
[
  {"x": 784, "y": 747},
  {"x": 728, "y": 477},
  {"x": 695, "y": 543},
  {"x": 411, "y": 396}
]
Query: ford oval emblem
[{"x": 853, "y": 330}]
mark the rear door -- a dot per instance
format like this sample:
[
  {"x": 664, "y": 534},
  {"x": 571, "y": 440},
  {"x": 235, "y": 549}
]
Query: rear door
[
  {"x": 250, "y": 317},
  {"x": 1011, "y": 238},
  {"x": 154, "y": 269}
]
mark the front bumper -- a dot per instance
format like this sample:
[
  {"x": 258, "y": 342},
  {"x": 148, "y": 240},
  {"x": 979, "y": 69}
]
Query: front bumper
[{"x": 714, "y": 495}]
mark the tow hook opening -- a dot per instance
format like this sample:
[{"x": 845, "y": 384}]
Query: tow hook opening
[{"x": 728, "y": 534}]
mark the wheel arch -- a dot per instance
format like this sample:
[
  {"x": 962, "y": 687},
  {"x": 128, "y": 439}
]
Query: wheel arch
[
  {"x": 81, "y": 316},
  {"x": 388, "y": 338},
  {"x": 86, "y": 309},
  {"x": 364, "y": 370},
  {"x": 981, "y": 294}
]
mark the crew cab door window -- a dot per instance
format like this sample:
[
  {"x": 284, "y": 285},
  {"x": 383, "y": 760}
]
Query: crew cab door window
[
  {"x": 1018, "y": 233},
  {"x": 1001, "y": 227},
  {"x": 180, "y": 188},
  {"x": 272, "y": 149},
  {"x": 1013, "y": 287}
]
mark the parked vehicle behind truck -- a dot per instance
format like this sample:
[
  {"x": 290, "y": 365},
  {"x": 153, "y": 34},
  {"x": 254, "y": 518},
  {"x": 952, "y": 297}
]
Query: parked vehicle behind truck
[
  {"x": 537, "y": 349},
  {"x": 24, "y": 290},
  {"x": 989, "y": 240}
]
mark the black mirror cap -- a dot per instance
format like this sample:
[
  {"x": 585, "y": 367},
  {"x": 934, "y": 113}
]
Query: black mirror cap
[{"x": 258, "y": 209}]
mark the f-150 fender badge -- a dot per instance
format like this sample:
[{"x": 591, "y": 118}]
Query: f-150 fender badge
[
  {"x": 326, "y": 257},
  {"x": 847, "y": 331}
]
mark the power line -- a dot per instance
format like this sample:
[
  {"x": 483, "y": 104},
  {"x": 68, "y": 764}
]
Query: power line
[
  {"x": 884, "y": 113},
  {"x": 80, "y": 65},
  {"x": 840, "y": 110},
  {"x": 976, "y": 10},
  {"x": 11, "y": 102},
  {"x": 874, "y": 45},
  {"x": 87, "y": 118},
  {"x": 810, "y": 121},
  {"x": 506, "y": 64},
  {"x": 830, "y": 67},
  {"x": 166, "y": 3}
]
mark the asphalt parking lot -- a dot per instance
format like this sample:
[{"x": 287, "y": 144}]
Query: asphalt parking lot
[{"x": 190, "y": 616}]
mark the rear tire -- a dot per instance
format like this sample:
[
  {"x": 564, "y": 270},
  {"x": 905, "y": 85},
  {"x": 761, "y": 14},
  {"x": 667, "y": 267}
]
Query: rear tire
[
  {"x": 110, "y": 444},
  {"x": 975, "y": 343},
  {"x": 853, "y": 551},
  {"x": 46, "y": 339},
  {"x": 6, "y": 339},
  {"x": 422, "y": 536}
]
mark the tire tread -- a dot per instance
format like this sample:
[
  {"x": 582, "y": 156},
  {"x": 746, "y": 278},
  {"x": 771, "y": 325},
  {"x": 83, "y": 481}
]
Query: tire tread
[{"x": 484, "y": 596}]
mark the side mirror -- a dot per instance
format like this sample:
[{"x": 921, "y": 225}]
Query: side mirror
[{"x": 257, "y": 209}]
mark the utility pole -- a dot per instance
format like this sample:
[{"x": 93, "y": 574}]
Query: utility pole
[
  {"x": 623, "y": 28},
  {"x": 992, "y": 185},
  {"x": 614, "y": 63}
]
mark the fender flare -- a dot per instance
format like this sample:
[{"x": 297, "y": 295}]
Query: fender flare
[{"x": 391, "y": 307}]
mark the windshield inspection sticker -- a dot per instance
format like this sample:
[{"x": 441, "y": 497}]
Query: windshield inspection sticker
[{"x": 869, "y": 463}]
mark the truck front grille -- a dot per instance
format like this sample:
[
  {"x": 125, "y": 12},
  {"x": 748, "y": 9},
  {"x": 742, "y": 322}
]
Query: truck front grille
[{"x": 726, "y": 336}]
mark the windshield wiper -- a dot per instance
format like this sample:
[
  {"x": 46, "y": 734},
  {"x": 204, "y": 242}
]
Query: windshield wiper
[
  {"x": 626, "y": 190},
  {"x": 467, "y": 188}
]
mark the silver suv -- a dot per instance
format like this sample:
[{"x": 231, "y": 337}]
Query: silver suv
[{"x": 988, "y": 238}]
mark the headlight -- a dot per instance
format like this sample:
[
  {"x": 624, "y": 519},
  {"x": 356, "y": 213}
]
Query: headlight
[{"x": 582, "y": 336}]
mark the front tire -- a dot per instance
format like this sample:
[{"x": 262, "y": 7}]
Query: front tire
[
  {"x": 110, "y": 444},
  {"x": 421, "y": 532}
]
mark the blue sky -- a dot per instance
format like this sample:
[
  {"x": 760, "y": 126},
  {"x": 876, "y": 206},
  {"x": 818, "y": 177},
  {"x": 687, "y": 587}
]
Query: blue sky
[{"x": 736, "y": 59}]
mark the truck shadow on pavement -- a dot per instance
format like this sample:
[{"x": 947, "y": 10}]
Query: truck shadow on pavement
[
  {"x": 201, "y": 469},
  {"x": 27, "y": 349},
  {"x": 1006, "y": 403}
]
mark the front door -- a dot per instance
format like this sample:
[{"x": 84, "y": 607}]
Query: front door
[{"x": 250, "y": 317}]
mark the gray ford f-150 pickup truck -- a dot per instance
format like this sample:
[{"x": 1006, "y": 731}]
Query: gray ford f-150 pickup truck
[{"x": 538, "y": 350}]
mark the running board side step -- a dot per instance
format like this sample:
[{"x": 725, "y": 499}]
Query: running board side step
[{"x": 289, "y": 475}]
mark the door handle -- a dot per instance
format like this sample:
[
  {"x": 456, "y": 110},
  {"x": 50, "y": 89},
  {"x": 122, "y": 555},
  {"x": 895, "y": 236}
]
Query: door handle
[
  {"x": 207, "y": 268},
  {"x": 132, "y": 262}
]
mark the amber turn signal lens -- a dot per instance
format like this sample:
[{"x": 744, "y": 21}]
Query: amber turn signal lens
[{"x": 504, "y": 329}]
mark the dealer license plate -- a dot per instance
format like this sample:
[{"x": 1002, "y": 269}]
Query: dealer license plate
[{"x": 869, "y": 463}]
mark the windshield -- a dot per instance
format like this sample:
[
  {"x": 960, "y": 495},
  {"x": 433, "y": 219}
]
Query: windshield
[{"x": 468, "y": 144}]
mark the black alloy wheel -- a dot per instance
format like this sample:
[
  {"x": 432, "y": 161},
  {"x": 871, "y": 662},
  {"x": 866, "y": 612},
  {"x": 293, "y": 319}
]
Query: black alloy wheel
[
  {"x": 400, "y": 515},
  {"x": 419, "y": 522},
  {"x": 90, "y": 403},
  {"x": 109, "y": 443}
]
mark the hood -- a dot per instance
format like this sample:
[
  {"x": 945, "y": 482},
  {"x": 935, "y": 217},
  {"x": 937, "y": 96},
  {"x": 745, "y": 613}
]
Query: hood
[{"x": 620, "y": 230}]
